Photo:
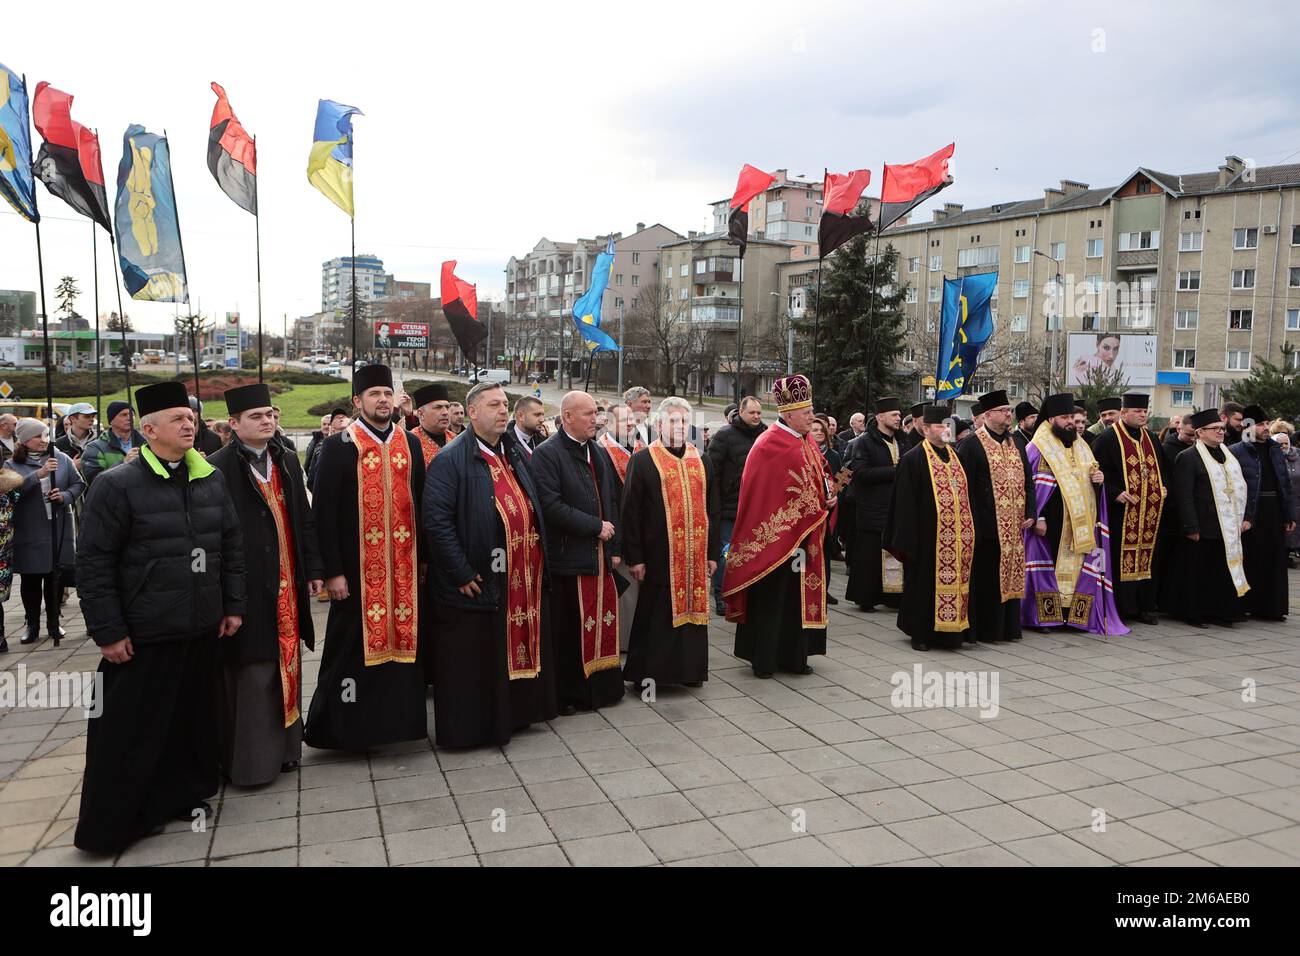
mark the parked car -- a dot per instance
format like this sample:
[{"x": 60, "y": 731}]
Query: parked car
[
  {"x": 25, "y": 409},
  {"x": 499, "y": 375},
  {"x": 208, "y": 365}
]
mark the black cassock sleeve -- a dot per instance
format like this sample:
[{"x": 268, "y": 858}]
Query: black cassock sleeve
[
  {"x": 900, "y": 537},
  {"x": 713, "y": 503},
  {"x": 1106, "y": 450},
  {"x": 326, "y": 501},
  {"x": 633, "y": 514},
  {"x": 1184, "y": 485}
]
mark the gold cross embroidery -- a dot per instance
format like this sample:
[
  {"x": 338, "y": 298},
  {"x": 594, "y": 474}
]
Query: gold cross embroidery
[
  {"x": 402, "y": 535},
  {"x": 399, "y": 461},
  {"x": 518, "y": 617},
  {"x": 371, "y": 461},
  {"x": 609, "y": 618},
  {"x": 403, "y": 612},
  {"x": 589, "y": 623},
  {"x": 376, "y": 613},
  {"x": 374, "y": 535}
]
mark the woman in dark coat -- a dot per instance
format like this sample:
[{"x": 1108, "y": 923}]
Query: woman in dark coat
[{"x": 44, "y": 547}]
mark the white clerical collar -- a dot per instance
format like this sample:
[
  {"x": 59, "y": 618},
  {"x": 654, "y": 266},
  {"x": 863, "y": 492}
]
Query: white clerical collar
[
  {"x": 523, "y": 436},
  {"x": 374, "y": 431},
  {"x": 581, "y": 444},
  {"x": 781, "y": 424},
  {"x": 488, "y": 449}
]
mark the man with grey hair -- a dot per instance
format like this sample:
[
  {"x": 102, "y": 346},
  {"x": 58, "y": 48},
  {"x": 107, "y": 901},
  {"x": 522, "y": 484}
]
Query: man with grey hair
[
  {"x": 579, "y": 492},
  {"x": 672, "y": 543},
  {"x": 638, "y": 399}
]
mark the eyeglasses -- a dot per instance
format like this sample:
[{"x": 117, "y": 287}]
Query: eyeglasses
[{"x": 1214, "y": 428}]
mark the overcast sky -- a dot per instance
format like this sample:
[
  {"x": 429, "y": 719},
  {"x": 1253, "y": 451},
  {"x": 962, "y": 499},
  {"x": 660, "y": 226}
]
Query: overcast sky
[{"x": 489, "y": 125}]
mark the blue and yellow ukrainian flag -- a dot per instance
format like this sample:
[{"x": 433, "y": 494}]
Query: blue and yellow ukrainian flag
[
  {"x": 965, "y": 325},
  {"x": 329, "y": 167},
  {"x": 148, "y": 230},
  {"x": 587, "y": 310},
  {"x": 16, "y": 182}
]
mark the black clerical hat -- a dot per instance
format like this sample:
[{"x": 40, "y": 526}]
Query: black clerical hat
[
  {"x": 247, "y": 397},
  {"x": 936, "y": 414},
  {"x": 160, "y": 397},
  {"x": 1136, "y": 400},
  {"x": 372, "y": 376},
  {"x": 1110, "y": 404},
  {"x": 1256, "y": 413},
  {"x": 1061, "y": 403},
  {"x": 889, "y": 404},
  {"x": 916, "y": 410},
  {"x": 992, "y": 400},
  {"x": 435, "y": 392},
  {"x": 1024, "y": 410},
  {"x": 1207, "y": 416}
]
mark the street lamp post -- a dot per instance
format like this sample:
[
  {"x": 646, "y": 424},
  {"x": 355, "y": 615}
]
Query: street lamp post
[{"x": 1055, "y": 330}]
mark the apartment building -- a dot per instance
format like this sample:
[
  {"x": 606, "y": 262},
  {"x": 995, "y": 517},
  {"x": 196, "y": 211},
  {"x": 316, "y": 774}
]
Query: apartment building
[
  {"x": 1198, "y": 273},
  {"x": 336, "y": 281}
]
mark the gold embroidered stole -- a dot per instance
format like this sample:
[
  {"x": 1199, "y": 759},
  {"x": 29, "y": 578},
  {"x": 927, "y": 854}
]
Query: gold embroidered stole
[
  {"x": 954, "y": 543},
  {"x": 428, "y": 446},
  {"x": 389, "y": 560},
  {"x": 891, "y": 569},
  {"x": 1007, "y": 472},
  {"x": 286, "y": 602},
  {"x": 682, "y": 483},
  {"x": 523, "y": 598},
  {"x": 619, "y": 455},
  {"x": 1229, "y": 488},
  {"x": 1071, "y": 468},
  {"x": 1141, "y": 520}
]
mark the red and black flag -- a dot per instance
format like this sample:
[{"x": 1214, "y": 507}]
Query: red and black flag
[
  {"x": 840, "y": 195},
  {"x": 460, "y": 306},
  {"x": 752, "y": 181},
  {"x": 232, "y": 154},
  {"x": 907, "y": 186},
  {"x": 68, "y": 162}
]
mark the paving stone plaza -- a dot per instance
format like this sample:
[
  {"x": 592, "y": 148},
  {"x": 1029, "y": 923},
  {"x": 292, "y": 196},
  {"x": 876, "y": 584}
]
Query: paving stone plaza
[{"x": 1169, "y": 746}]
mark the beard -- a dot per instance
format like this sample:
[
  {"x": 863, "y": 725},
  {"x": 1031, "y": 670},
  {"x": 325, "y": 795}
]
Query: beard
[{"x": 1066, "y": 435}]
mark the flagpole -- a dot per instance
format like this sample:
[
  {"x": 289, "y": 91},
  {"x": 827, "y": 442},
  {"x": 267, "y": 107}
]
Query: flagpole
[
  {"x": 94, "y": 256},
  {"x": 45, "y": 315},
  {"x": 352, "y": 295},
  {"x": 121, "y": 317},
  {"x": 817, "y": 312},
  {"x": 740, "y": 324},
  {"x": 257, "y": 238}
]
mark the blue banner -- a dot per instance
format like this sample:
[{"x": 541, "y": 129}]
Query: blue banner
[
  {"x": 148, "y": 232},
  {"x": 966, "y": 324},
  {"x": 587, "y": 310},
  {"x": 16, "y": 182}
]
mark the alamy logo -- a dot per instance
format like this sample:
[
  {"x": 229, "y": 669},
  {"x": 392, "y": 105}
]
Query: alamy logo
[
  {"x": 57, "y": 690},
  {"x": 916, "y": 688},
  {"x": 76, "y": 909}
]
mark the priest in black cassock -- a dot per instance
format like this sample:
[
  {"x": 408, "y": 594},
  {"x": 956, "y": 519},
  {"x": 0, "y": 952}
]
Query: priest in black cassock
[
  {"x": 1210, "y": 495},
  {"x": 910, "y": 437},
  {"x": 433, "y": 410},
  {"x": 1026, "y": 420},
  {"x": 160, "y": 574},
  {"x": 930, "y": 529},
  {"x": 672, "y": 537},
  {"x": 578, "y": 489},
  {"x": 1271, "y": 513},
  {"x": 262, "y": 663},
  {"x": 494, "y": 664},
  {"x": 1001, "y": 491},
  {"x": 874, "y": 576},
  {"x": 369, "y": 482},
  {"x": 1136, "y": 485}
]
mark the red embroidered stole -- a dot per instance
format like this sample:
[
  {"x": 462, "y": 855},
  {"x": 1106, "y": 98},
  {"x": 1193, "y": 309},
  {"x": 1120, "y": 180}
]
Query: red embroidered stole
[
  {"x": 1007, "y": 472},
  {"x": 682, "y": 482},
  {"x": 598, "y": 605},
  {"x": 389, "y": 571},
  {"x": 619, "y": 455},
  {"x": 286, "y": 603},
  {"x": 523, "y": 607},
  {"x": 954, "y": 542},
  {"x": 1142, "y": 520},
  {"x": 428, "y": 446}
]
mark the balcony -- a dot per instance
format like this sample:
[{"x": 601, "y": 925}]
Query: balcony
[
  {"x": 715, "y": 315},
  {"x": 713, "y": 269},
  {"x": 1143, "y": 259}
]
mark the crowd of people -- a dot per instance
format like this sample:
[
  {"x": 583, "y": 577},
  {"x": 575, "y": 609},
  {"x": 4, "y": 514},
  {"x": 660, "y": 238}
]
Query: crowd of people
[{"x": 519, "y": 566}]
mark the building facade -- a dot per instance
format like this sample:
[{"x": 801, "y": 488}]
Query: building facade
[
  {"x": 1190, "y": 278},
  {"x": 336, "y": 281}
]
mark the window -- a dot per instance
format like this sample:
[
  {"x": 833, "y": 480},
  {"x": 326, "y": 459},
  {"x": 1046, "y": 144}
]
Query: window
[
  {"x": 1016, "y": 357},
  {"x": 683, "y": 271},
  {"x": 1245, "y": 238},
  {"x": 1190, "y": 241},
  {"x": 636, "y": 280},
  {"x": 977, "y": 256},
  {"x": 1186, "y": 318},
  {"x": 1189, "y": 281},
  {"x": 1295, "y": 235},
  {"x": 1294, "y": 362},
  {"x": 636, "y": 258},
  {"x": 701, "y": 266},
  {"x": 1241, "y": 320},
  {"x": 1191, "y": 214},
  {"x": 1181, "y": 397},
  {"x": 1022, "y": 254},
  {"x": 807, "y": 212},
  {"x": 913, "y": 265},
  {"x": 807, "y": 231},
  {"x": 1058, "y": 251},
  {"x": 618, "y": 278},
  {"x": 936, "y": 263},
  {"x": 1052, "y": 323},
  {"x": 909, "y": 355},
  {"x": 1020, "y": 322},
  {"x": 1015, "y": 390},
  {"x": 1294, "y": 278},
  {"x": 1095, "y": 248},
  {"x": 1092, "y": 322},
  {"x": 1137, "y": 241},
  {"x": 1020, "y": 289},
  {"x": 1238, "y": 360},
  {"x": 1243, "y": 278},
  {"x": 1293, "y": 320},
  {"x": 1144, "y": 186},
  {"x": 936, "y": 294},
  {"x": 807, "y": 250},
  {"x": 618, "y": 302},
  {"x": 1184, "y": 358},
  {"x": 911, "y": 294},
  {"x": 1092, "y": 284}
]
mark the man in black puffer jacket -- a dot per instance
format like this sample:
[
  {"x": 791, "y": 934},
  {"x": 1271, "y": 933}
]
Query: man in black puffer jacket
[
  {"x": 160, "y": 573},
  {"x": 728, "y": 450}
]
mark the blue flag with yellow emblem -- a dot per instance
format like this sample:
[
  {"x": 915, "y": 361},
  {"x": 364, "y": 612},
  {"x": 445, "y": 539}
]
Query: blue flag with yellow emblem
[
  {"x": 966, "y": 324},
  {"x": 148, "y": 231},
  {"x": 16, "y": 182},
  {"x": 329, "y": 167},
  {"x": 587, "y": 310}
]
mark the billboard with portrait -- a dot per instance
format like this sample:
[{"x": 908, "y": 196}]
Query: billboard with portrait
[
  {"x": 1134, "y": 356},
  {"x": 401, "y": 335}
]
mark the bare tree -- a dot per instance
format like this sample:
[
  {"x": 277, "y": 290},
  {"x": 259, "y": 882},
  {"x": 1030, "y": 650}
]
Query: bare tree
[{"x": 663, "y": 327}]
